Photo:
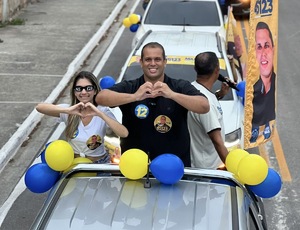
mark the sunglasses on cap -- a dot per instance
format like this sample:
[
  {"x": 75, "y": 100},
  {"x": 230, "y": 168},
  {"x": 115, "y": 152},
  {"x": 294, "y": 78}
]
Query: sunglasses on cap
[{"x": 87, "y": 88}]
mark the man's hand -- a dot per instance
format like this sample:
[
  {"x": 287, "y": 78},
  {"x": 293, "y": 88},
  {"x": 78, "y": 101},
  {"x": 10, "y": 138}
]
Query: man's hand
[{"x": 148, "y": 90}]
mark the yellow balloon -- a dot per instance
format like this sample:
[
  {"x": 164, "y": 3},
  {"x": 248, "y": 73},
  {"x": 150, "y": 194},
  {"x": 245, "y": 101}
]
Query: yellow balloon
[
  {"x": 134, "y": 18},
  {"x": 126, "y": 22},
  {"x": 239, "y": 179},
  {"x": 78, "y": 160},
  {"x": 59, "y": 155},
  {"x": 134, "y": 194},
  {"x": 233, "y": 159},
  {"x": 81, "y": 160},
  {"x": 252, "y": 169},
  {"x": 84, "y": 174},
  {"x": 133, "y": 164}
]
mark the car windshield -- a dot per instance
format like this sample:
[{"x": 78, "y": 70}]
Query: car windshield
[
  {"x": 177, "y": 71},
  {"x": 189, "y": 13}
]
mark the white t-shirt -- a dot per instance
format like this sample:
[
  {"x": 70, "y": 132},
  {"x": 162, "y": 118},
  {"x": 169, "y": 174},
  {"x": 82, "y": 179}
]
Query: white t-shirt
[
  {"x": 89, "y": 140},
  {"x": 203, "y": 152}
]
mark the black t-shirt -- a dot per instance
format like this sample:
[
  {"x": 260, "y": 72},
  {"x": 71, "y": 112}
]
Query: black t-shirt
[
  {"x": 263, "y": 103},
  {"x": 142, "y": 117}
]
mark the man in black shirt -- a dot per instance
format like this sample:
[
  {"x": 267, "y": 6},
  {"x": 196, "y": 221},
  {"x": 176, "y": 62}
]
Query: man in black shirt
[{"x": 145, "y": 100}]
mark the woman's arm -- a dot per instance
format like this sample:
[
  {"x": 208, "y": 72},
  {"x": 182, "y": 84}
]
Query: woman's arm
[
  {"x": 56, "y": 110},
  {"x": 50, "y": 109},
  {"x": 115, "y": 126},
  {"x": 119, "y": 129}
]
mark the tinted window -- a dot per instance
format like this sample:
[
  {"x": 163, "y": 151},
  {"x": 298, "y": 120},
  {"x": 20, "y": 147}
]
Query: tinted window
[
  {"x": 190, "y": 13},
  {"x": 175, "y": 71}
]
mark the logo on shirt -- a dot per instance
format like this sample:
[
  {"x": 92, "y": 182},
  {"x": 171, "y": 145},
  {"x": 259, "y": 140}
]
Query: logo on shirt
[
  {"x": 220, "y": 110},
  {"x": 75, "y": 134},
  {"x": 162, "y": 124},
  {"x": 141, "y": 111},
  {"x": 94, "y": 142}
]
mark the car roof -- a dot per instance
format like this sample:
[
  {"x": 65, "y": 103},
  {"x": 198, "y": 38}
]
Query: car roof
[
  {"x": 187, "y": 12},
  {"x": 202, "y": 199},
  {"x": 175, "y": 15}
]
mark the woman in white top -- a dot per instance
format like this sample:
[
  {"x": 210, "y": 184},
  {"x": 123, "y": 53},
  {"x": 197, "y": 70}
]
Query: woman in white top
[{"x": 86, "y": 122}]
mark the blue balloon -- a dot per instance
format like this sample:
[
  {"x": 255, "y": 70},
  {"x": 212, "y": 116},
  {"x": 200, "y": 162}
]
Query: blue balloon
[
  {"x": 107, "y": 82},
  {"x": 39, "y": 178},
  {"x": 134, "y": 27},
  {"x": 43, "y": 159},
  {"x": 167, "y": 168},
  {"x": 241, "y": 86},
  {"x": 269, "y": 187}
]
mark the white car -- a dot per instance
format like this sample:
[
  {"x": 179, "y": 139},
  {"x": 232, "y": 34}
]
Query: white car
[
  {"x": 179, "y": 15},
  {"x": 181, "y": 48}
]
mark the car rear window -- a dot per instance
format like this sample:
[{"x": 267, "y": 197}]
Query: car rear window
[
  {"x": 118, "y": 203},
  {"x": 189, "y": 13}
]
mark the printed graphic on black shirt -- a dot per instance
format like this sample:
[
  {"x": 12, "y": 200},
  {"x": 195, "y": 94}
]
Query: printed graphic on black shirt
[
  {"x": 94, "y": 142},
  {"x": 162, "y": 124},
  {"x": 141, "y": 111}
]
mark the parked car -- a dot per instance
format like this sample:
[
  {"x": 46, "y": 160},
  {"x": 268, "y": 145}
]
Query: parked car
[
  {"x": 181, "y": 48},
  {"x": 98, "y": 196},
  {"x": 179, "y": 15}
]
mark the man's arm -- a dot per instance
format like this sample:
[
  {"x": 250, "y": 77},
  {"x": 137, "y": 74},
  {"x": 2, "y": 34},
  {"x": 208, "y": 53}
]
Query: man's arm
[
  {"x": 218, "y": 142},
  {"x": 195, "y": 103},
  {"x": 111, "y": 98}
]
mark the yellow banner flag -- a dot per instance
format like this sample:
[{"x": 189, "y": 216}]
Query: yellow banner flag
[
  {"x": 261, "y": 80},
  {"x": 233, "y": 43}
]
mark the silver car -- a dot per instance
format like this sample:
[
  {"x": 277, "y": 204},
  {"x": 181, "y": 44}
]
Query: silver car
[{"x": 95, "y": 196}]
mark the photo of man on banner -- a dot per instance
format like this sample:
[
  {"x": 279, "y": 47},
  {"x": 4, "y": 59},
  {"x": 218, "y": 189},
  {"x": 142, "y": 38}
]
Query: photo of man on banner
[
  {"x": 261, "y": 78},
  {"x": 264, "y": 89}
]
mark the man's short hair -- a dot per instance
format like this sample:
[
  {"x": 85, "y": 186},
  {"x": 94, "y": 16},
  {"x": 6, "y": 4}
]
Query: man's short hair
[
  {"x": 154, "y": 45},
  {"x": 206, "y": 63},
  {"x": 264, "y": 26}
]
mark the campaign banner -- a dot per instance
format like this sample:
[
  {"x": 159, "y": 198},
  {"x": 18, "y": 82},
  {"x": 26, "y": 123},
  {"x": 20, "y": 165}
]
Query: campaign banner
[
  {"x": 261, "y": 77},
  {"x": 233, "y": 45}
]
